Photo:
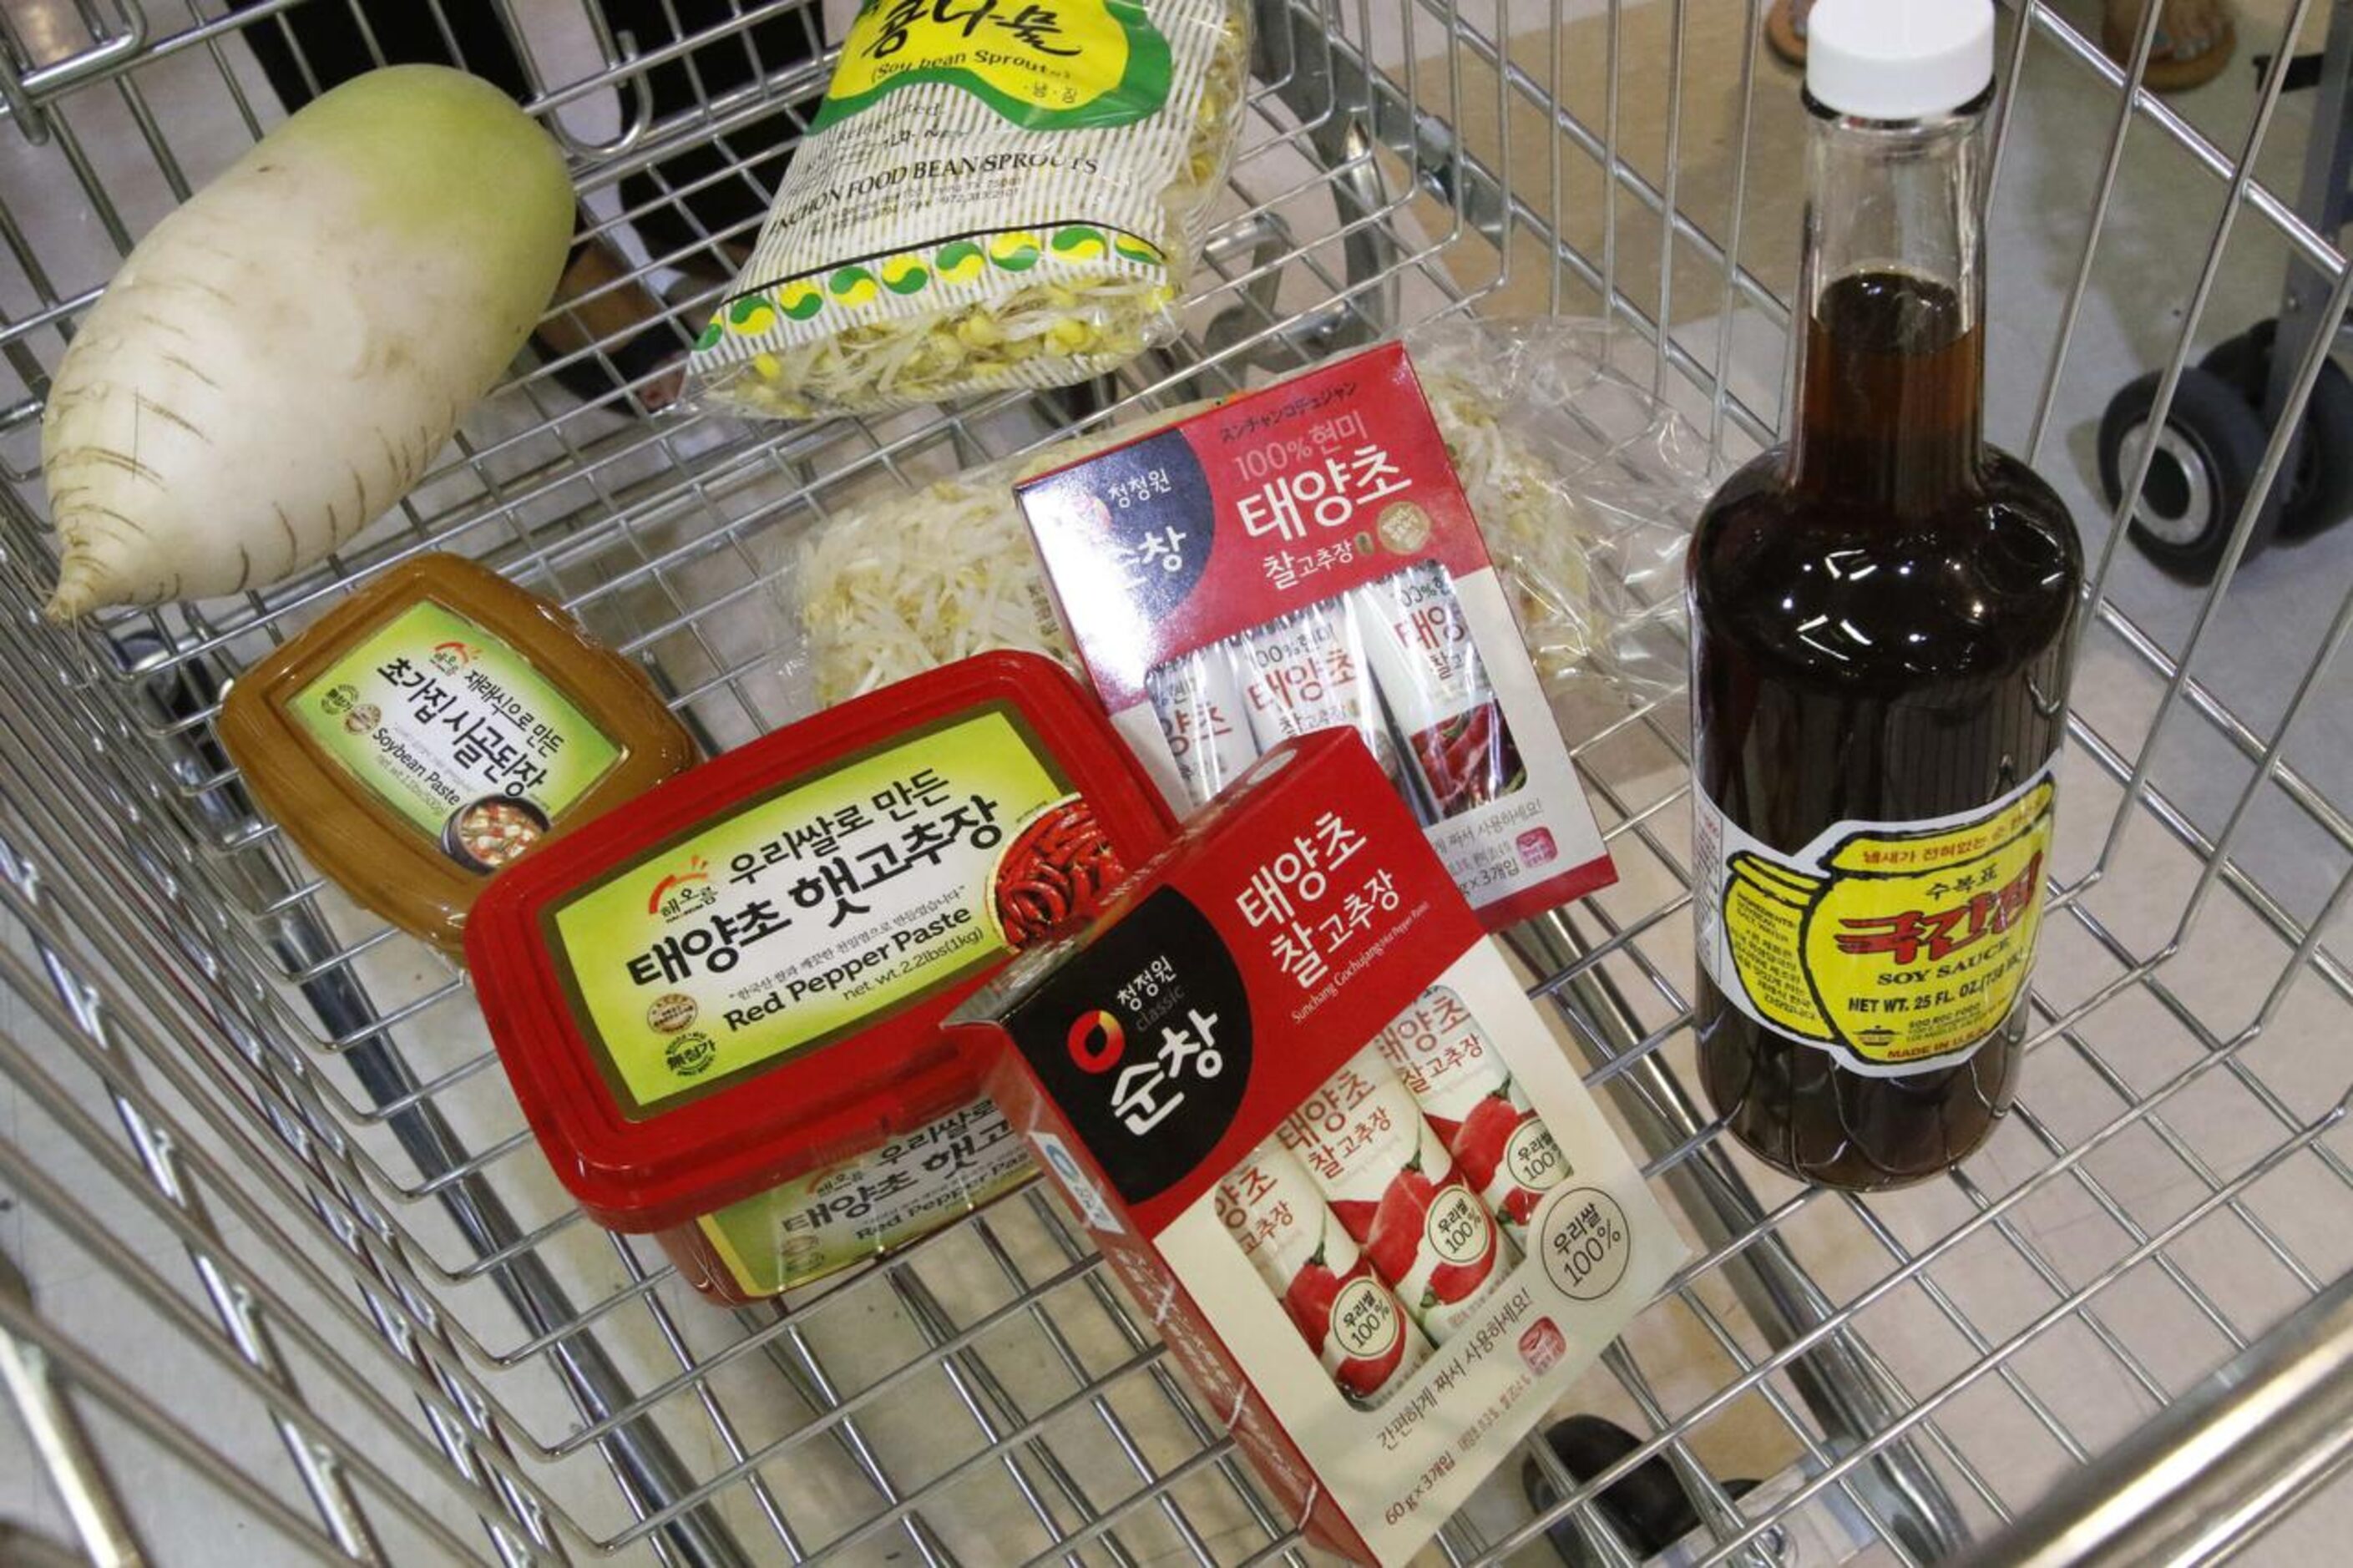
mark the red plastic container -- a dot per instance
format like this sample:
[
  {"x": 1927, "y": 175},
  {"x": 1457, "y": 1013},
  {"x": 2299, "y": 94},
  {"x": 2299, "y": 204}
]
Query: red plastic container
[{"x": 738, "y": 981}]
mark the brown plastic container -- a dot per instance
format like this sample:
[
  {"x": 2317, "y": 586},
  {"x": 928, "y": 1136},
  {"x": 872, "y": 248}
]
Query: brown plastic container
[{"x": 437, "y": 727}]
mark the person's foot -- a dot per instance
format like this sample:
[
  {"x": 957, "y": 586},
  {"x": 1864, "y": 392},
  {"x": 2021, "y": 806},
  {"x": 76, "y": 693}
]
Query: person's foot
[
  {"x": 2194, "y": 41},
  {"x": 608, "y": 333},
  {"x": 1784, "y": 30}
]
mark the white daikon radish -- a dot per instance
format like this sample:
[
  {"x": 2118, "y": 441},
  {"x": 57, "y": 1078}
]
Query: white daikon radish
[{"x": 278, "y": 361}]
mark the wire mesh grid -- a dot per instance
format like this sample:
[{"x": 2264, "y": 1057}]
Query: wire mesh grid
[{"x": 398, "y": 1340}]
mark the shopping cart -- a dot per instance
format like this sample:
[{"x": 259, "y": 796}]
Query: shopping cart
[{"x": 300, "y": 1283}]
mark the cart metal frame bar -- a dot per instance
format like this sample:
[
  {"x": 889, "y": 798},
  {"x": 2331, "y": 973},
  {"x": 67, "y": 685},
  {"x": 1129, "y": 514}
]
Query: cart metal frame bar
[{"x": 450, "y": 1356}]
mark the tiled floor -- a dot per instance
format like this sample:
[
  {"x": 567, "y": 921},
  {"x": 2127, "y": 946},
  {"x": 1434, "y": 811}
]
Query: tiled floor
[{"x": 2065, "y": 1233}]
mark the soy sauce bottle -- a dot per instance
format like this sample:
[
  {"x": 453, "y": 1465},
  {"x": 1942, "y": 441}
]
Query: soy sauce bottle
[{"x": 1882, "y": 614}]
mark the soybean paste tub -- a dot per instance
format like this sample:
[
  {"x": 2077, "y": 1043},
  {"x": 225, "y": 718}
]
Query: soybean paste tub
[
  {"x": 434, "y": 728},
  {"x": 720, "y": 1008}
]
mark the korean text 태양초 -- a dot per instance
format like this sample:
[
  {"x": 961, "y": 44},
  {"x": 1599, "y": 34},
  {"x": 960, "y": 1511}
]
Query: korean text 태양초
[
  {"x": 1329, "y": 492},
  {"x": 1308, "y": 916}
]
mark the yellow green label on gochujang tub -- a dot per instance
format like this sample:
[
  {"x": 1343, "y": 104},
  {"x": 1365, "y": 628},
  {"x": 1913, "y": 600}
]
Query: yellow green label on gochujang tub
[
  {"x": 456, "y": 732},
  {"x": 802, "y": 915}
]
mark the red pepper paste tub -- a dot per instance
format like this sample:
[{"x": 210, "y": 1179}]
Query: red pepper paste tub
[{"x": 719, "y": 1008}]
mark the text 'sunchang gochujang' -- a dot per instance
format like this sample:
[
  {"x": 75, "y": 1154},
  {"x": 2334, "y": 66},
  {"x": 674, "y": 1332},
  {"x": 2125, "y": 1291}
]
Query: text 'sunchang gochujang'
[{"x": 1210, "y": 1074}]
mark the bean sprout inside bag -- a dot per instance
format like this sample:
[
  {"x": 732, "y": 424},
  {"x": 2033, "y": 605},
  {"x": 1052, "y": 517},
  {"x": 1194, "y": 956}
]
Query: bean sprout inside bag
[{"x": 996, "y": 193}]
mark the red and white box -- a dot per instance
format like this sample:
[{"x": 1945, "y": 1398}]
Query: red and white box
[
  {"x": 1210, "y": 1074},
  {"x": 1301, "y": 558}
]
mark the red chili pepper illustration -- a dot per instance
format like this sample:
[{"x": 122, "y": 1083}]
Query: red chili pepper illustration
[
  {"x": 1055, "y": 872},
  {"x": 1397, "y": 1223},
  {"x": 1458, "y": 1078},
  {"x": 1313, "y": 1295},
  {"x": 1393, "y": 1187},
  {"x": 1309, "y": 1299},
  {"x": 1349, "y": 1318},
  {"x": 1483, "y": 1136},
  {"x": 1470, "y": 760}
]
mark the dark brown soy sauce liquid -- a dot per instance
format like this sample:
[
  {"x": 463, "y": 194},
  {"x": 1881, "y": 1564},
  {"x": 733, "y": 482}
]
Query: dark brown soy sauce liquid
[{"x": 1881, "y": 617}]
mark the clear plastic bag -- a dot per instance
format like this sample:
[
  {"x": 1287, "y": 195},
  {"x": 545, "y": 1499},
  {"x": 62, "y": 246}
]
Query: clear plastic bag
[
  {"x": 1585, "y": 487},
  {"x": 996, "y": 194}
]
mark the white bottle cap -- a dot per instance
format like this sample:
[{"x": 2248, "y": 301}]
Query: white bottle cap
[{"x": 1899, "y": 59}]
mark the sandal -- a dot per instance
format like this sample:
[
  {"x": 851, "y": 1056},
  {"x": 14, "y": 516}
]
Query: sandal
[
  {"x": 1785, "y": 30},
  {"x": 608, "y": 334},
  {"x": 2179, "y": 57}
]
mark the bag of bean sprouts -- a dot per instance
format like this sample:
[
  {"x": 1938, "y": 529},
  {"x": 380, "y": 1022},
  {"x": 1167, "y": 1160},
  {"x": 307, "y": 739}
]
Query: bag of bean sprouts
[
  {"x": 996, "y": 193},
  {"x": 1583, "y": 483}
]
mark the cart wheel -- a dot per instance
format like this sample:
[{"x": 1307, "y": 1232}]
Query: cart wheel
[
  {"x": 1646, "y": 1506},
  {"x": 2205, "y": 463},
  {"x": 2320, "y": 490}
]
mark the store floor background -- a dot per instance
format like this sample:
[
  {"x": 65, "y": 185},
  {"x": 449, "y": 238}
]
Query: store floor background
[{"x": 2155, "y": 235}]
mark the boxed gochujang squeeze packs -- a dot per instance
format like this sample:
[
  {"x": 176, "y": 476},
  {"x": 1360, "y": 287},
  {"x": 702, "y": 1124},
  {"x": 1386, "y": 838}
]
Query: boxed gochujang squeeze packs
[
  {"x": 1300, "y": 1100},
  {"x": 1302, "y": 558}
]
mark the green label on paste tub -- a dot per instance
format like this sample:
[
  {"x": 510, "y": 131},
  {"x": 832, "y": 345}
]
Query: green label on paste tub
[
  {"x": 456, "y": 732},
  {"x": 796, "y": 1234},
  {"x": 803, "y": 915}
]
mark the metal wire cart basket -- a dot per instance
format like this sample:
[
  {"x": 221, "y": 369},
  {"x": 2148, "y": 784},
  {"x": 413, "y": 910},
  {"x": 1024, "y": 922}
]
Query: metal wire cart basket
[{"x": 296, "y": 1282}]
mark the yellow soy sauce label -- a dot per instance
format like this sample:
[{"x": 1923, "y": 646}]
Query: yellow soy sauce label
[
  {"x": 1045, "y": 65},
  {"x": 1893, "y": 945}
]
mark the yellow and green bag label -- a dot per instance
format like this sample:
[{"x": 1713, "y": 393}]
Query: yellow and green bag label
[
  {"x": 803, "y": 915},
  {"x": 995, "y": 192},
  {"x": 859, "y": 1210},
  {"x": 1043, "y": 65},
  {"x": 1897, "y": 946},
  {"x": 456, "y": 732}
]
